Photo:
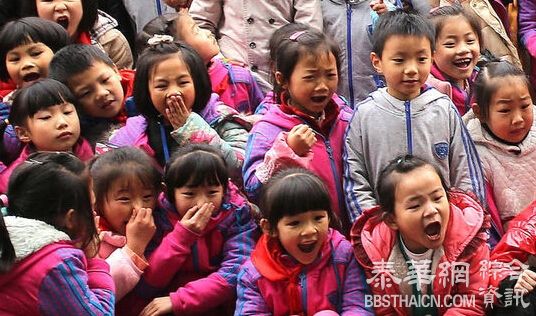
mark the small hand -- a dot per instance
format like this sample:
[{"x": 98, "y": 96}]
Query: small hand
[
  {"x": 176, "y": 111},
  {"x": 378, "y": 6},
  {"x": 159, "y": 306},
  {"x": 300, "y": 139},
  {"x": 197, "y": 217},
  {"x": 140, "y": 230},
  {"x": 526, "y": 282}
]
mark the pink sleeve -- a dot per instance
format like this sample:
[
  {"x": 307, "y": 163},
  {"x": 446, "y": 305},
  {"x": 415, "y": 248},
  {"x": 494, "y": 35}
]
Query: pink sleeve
[
  {"x": 280, "y": 156},
  {"x": 189, "y": 298},
  {"x": 124, "y": 270},
  {"x": 169, "y": 257}
]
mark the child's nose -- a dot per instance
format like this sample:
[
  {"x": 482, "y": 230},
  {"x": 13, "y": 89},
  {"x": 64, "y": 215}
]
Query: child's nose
[
  {"x": 309, "y": 228},
  {"x": 60, "y": 6},
  {"x": 429, "y": 209},
  {"x": 518, "y": 117},
  {"x": 411, "y": 68}
]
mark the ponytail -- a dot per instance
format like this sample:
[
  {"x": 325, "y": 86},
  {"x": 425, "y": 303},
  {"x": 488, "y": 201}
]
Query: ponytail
[{"x": 7, "y": 252}]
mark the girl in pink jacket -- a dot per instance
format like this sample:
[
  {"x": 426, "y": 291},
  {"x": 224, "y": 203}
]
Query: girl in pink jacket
[
  {"x": 208, "y": 233},
  {"x": 126, "y": 186},
  {"x": 300, "y": 266},
  {"x": 47, "y": 263}
]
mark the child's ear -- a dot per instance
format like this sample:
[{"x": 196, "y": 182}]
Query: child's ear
[
  {"x": 266, "y": 228},
  {"x": 476, "y": 109},
  {"x": 280, "y": 80},
  {"x": 389, "y": 219},
  {"x": 69, "y": 220},
  {"x": 376, "y": 62},
  {"x": 23, "y": 134}
]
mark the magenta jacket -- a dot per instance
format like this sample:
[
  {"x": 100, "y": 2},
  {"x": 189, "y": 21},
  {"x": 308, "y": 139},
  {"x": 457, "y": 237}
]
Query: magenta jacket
[
  {"x": 335, "y": 282},
  {"x": 81, "y": 149},
  {"x": 235, "y": 85},
  {"x": 267, "y": 152},
  {"x": 198, "y": 271},
  {"x": 51, "y": 276},
  {"x": 460, "y": 98}
]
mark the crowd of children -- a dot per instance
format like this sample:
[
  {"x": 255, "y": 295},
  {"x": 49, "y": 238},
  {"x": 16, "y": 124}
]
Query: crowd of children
[{"x": 326, "y": 157}]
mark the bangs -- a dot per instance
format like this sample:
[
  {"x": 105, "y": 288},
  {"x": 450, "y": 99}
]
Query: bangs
[{"x": 196, "y": 169}]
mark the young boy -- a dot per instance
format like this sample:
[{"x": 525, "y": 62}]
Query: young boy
[
  {"x": 406, "y": 117},
  {"x": 101, "y": 89}
]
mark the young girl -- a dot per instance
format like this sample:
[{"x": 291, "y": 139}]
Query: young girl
[
  {"x": 308, "y": 126},
  {"x": 85, "y": 25},
  {"x": 422, "y": 233},
  {"x": 297, "y": 246},
  {"x": 27, "y": 46},
  {"x": 231, "y": 80},
  {"x": 172, "y": 93},
  {"x": 44, "y": 118},
  {"x": 504, "y": 131},
  {"x": 457, "y": 50},
  {"x": 47, "y": 264},
  {"x": 126, "y": 186},
  {"x": 210, "y": 233}
]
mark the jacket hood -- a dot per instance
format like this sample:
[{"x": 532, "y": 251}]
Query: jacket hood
[
  {"x": 28, "y": 236},
  {"x": 277, "y": 117},
  {"x": 428, "y": 97},
  {"x": 373, "y": 240},
  {"x": 482, "y": 137}
]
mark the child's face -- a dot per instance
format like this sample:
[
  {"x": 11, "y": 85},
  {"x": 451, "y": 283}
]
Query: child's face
[
  {"x": 28, "y": 63},
  {"x": 312, "y": 83},
  {"x": 511, "y": 111},
  {"x": 405, "y": 63},
  {"x": 303, "y": 235},
  {"x": 98, "y": 90},
  {"x": 55, "y": 128},
  {"x": 123, "y": 196},
  {"x": 202, "y": 40},
  {"x": 457, "y": 49},
  {"x": 421, "y": 211},
  {"x": 67, "y": 13},
  {"x": 187, "y": 197},
  {"x": 170, "y": 77}
]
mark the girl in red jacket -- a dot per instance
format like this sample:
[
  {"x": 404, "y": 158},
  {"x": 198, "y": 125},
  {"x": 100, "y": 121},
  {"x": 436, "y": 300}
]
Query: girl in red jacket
[{"x": 421, "y": 248}]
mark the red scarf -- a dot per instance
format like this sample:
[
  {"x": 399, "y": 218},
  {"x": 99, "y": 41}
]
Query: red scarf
[
  {"x": 331, "y": 113},
  {"x": 267, "y": 258},
  {"x": 84, "y": 38}
]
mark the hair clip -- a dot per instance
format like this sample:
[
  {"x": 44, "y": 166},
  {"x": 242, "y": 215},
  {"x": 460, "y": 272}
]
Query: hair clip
[
  {"x": 294, "y": 36},
  {"x": 159, "y": 39}
]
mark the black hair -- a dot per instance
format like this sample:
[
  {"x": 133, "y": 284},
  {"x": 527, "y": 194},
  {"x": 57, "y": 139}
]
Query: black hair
[
  {"x": 46, "y": 190},
  {"x": 292, "y": 48},
  {"x": 154, "y": 55},
  {"x": 118, "y": 163},
  {"x": 75, "y": 59},
  {"x": 401, "y": 23},
  {"x": 26, "y": 31},
  {"x": 195, "y": 165},
  {"x": 439, "y": 16},
  {"x": 281, "y": 34},
  {"x": 388, "y": 180},
  {"x": 89, "y": 16},
  {"x": 39, "y": 95},
  {"x": 487, "y": 83},
  {"x": 163, "y": 25},
  {"x": 291, "y": 192}
]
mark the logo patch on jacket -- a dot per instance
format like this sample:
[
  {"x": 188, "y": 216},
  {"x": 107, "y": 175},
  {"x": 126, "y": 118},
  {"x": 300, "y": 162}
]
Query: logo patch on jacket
[{"x": 441, "y": 150}]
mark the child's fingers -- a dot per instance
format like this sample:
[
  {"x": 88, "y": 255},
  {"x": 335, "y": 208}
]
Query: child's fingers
[
  {"x": 191, "y": 212},
  {"x": 530, "y": 277}
]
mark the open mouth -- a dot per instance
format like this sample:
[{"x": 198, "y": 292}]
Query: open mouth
[
  {"x": 31, "y": 77},
  {"x": 433, "y": 230},
  {"x": 307, "y": 248},
  {"x": 63, "y": 21},
  {"x": 319, "y": 99},
  {"x": 462, "y": 63}
]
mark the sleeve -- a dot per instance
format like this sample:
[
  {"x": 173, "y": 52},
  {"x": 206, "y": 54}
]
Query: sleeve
[
  {"x": 249, "y": 298},
  {"x": 358, "y": 190},
  {"x": 207, "y": 13},
  {"x": 464, "y": 164},
  {"x": 265, "y": 156},
  {"x": 220, "y": 286},
  {"x": 231, "y": 142},
  {"x": 309, "y": 13},
  {"x": 478, "y": 282},
  {"x": 72, "y": 288},
  {"x": 355, "y": 289},
  {"x": 527, "y": 24},
  {"x": 126, "y": 267},
  {"x": 116, "y": 46}
]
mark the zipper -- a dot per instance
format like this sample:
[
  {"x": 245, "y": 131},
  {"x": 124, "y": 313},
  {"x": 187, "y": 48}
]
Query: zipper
[
  {"x": 409, "y": 136},
  {"x": 349, "y": 52},
  {"x": 303, "y": 285}
]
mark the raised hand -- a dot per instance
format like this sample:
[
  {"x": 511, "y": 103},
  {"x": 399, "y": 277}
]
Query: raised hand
[
  {"x": 176, "y": 111},
  {"x": 140, "y": 230},
  {"x": 197, "y": 217},
  {"x": 301, "y": 138}
]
